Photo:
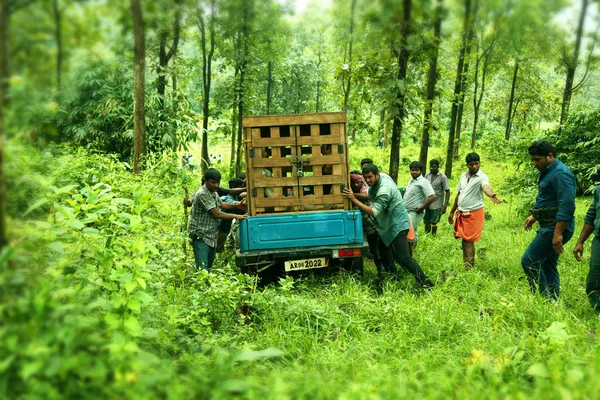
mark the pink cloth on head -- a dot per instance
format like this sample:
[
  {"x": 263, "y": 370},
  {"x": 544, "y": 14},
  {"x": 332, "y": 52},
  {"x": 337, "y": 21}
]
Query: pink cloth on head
[{"x": 356, "y": 177}]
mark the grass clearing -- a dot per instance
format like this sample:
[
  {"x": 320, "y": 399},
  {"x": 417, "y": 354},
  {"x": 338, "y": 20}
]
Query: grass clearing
[{"x": 477, "y": 334}]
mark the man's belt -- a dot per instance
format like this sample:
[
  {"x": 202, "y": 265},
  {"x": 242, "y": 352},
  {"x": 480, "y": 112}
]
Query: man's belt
[{"x": 545, "y": 216}]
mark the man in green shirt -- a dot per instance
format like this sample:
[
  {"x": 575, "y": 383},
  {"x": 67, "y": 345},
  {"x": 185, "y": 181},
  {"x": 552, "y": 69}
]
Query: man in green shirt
[
  {"x": 592, "y": 225},
  {"x": 392, "y": 223}
]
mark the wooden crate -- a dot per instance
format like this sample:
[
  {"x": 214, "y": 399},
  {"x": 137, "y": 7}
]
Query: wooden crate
[{"x": 296, "y": 163}]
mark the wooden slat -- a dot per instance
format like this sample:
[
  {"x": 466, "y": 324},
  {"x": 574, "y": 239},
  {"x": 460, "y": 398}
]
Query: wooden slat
[
  {"x": 271, "y": 142},
  {"x": 296, "y": 119}
]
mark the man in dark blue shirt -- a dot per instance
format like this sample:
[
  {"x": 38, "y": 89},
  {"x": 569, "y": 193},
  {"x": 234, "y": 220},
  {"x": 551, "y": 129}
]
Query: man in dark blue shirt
[
  {"x": 592, "y": 225},
  {"x": 554, "y": 209}
]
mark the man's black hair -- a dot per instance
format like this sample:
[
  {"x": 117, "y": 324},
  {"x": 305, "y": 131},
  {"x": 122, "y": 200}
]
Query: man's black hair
[
  {"x": 236, "y": 183},
  {"x": 416, "y": 165},
  {"x": 212, "y": 174},
  {"x": 355, "y": 171},
  {"x": 434, "y": 162},
  {"x": 472, "y": 157},
  {"x": 365, "y": 161},
  {"x": 372, "y": 168},
  {"x": 541, "y": 148}
]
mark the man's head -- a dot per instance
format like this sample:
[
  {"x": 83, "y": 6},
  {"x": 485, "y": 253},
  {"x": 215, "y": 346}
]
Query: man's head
[
  {"x": 370, "y": 173},
  {"x": 365, "y": 161},
  {"x": 236, "y": 183},
  {"x": 473, "y": 161},
  {"x": 212, "y": 179},
  {"x": 434, "y": 166},
  {"x": 542, "y": 154},
  {"x": 356, "y": 181},
  {"x": 416, "y": 169}
]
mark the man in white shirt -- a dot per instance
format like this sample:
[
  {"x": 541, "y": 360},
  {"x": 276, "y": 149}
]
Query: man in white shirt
[
  {"x": 469, "y": 203},
  {"x": 418, "y": 196}
]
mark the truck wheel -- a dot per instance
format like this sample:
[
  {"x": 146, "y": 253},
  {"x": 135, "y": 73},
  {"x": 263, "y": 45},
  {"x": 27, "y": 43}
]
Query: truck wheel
[{"x": 353, "y": 265}]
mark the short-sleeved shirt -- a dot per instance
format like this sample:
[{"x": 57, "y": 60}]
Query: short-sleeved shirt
[
  {"x": 556, "y": 189},
  {"x": 439, "y": 183},
  {"x": 471, "y": 191},
  {"x": 417, "y": 192},
  {"x": 203, "y": 225},
  {"x": 592, "y": 217},
  {"x": 388, "y": 207}
]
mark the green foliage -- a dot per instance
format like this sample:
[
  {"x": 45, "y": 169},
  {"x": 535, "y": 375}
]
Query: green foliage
[
  {"x": 98, "y": 113},
  {"x": 578, "y": 146}
]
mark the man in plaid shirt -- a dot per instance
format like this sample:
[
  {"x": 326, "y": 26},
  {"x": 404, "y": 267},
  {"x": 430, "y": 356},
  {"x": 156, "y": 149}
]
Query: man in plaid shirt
[{"x": 205, "y": 216}]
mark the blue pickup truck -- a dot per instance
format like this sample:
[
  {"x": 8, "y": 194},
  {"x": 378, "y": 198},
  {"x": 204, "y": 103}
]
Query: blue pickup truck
[{"x": 298, "y": 219}]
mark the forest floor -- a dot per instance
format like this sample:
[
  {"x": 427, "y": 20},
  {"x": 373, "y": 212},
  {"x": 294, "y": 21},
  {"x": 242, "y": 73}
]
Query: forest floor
[{"x": 161, "y": 330}]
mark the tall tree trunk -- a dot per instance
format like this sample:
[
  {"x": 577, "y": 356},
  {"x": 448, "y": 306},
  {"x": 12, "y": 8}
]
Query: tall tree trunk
[
  {"x": 4, "y": 102},
  {"x": 165, "y": 56},
  {"x": 403, "y": 56},
  {"x": 463, "y": 83},
  {"x": 242, "y": 57},
  {"x": 207, "y": 56},
  {"x": 347, "y": 84},
  {"x": 510, "y": 114},
  {"x": 58, "y": 39},
  {"x": 431, "y": 81},
  {"x": 478, "y": 98},
  {"x": 319, "y": 77},
  {"x": 269, "y": 85},
  {"x": 572, "y": 66},
  {"x": 139, "y": 57},
  {"x": 232, "y": 159},
  {"x": 457, "y": 89}
]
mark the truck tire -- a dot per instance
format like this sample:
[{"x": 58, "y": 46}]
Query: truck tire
[{"x": 353, "y": 265}]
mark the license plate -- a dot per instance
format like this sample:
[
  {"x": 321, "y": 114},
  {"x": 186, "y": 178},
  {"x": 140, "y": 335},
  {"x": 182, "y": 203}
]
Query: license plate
[{"x": 309, "y": 263}]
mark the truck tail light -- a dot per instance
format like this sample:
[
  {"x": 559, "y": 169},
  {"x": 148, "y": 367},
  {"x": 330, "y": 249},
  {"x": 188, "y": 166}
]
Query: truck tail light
[{"x": 349, "y": 253}]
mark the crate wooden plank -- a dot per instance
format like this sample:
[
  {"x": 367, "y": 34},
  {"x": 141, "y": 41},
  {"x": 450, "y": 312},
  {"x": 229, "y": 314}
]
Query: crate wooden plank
[
  {"x": 264, "y": 182},
  {"x": 273, "y": 142},
  {"x": 296, "y": 119},
  {"x": 270, "y": 162},
  {"x": 316, "y": 140}
]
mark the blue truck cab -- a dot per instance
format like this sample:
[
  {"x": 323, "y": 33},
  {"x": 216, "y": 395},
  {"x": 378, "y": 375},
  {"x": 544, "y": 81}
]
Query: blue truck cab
[{"x": 298, "y": 219}]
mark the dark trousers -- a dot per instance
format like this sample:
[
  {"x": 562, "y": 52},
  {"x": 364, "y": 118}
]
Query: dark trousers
[
  {"x": 373, "y": 240},
  {"x": 539, "y": 263},
  {"x": 592, "y": 287},
  {"x": 204, "y": 255},
  {"x": 398, "y": 251}
]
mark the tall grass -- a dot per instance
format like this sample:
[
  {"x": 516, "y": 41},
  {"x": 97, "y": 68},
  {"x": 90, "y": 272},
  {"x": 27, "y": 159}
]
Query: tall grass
[{"x": 477, "y": 334}]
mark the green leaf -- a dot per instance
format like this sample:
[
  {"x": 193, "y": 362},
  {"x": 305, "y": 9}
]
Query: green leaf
[
  {"x": 539, "y": 370},
  {"x": 65, "y": 189},
  {"x": 142, "y": 282},
  {"x": 35, "y": 206},
  {"x": 120, "y": 200},
  {"x": 91, "y": 231},
  {"x": 130, "y": 286},
  {"x": 56, "y": 246},
  {"x": 132, "y": 325},
  {"x": 4, "y": 364},
  {"x": 255, "y": 355},
  {"x": 134, "y": 304},
  {"x": 75, "y": 224},
  {"x": 557, "y": 333},
  {"x": 144, "y": 297}
]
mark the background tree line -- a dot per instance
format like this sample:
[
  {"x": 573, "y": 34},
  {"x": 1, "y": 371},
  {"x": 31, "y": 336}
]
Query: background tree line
[{"x": 107, "y": 75}]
